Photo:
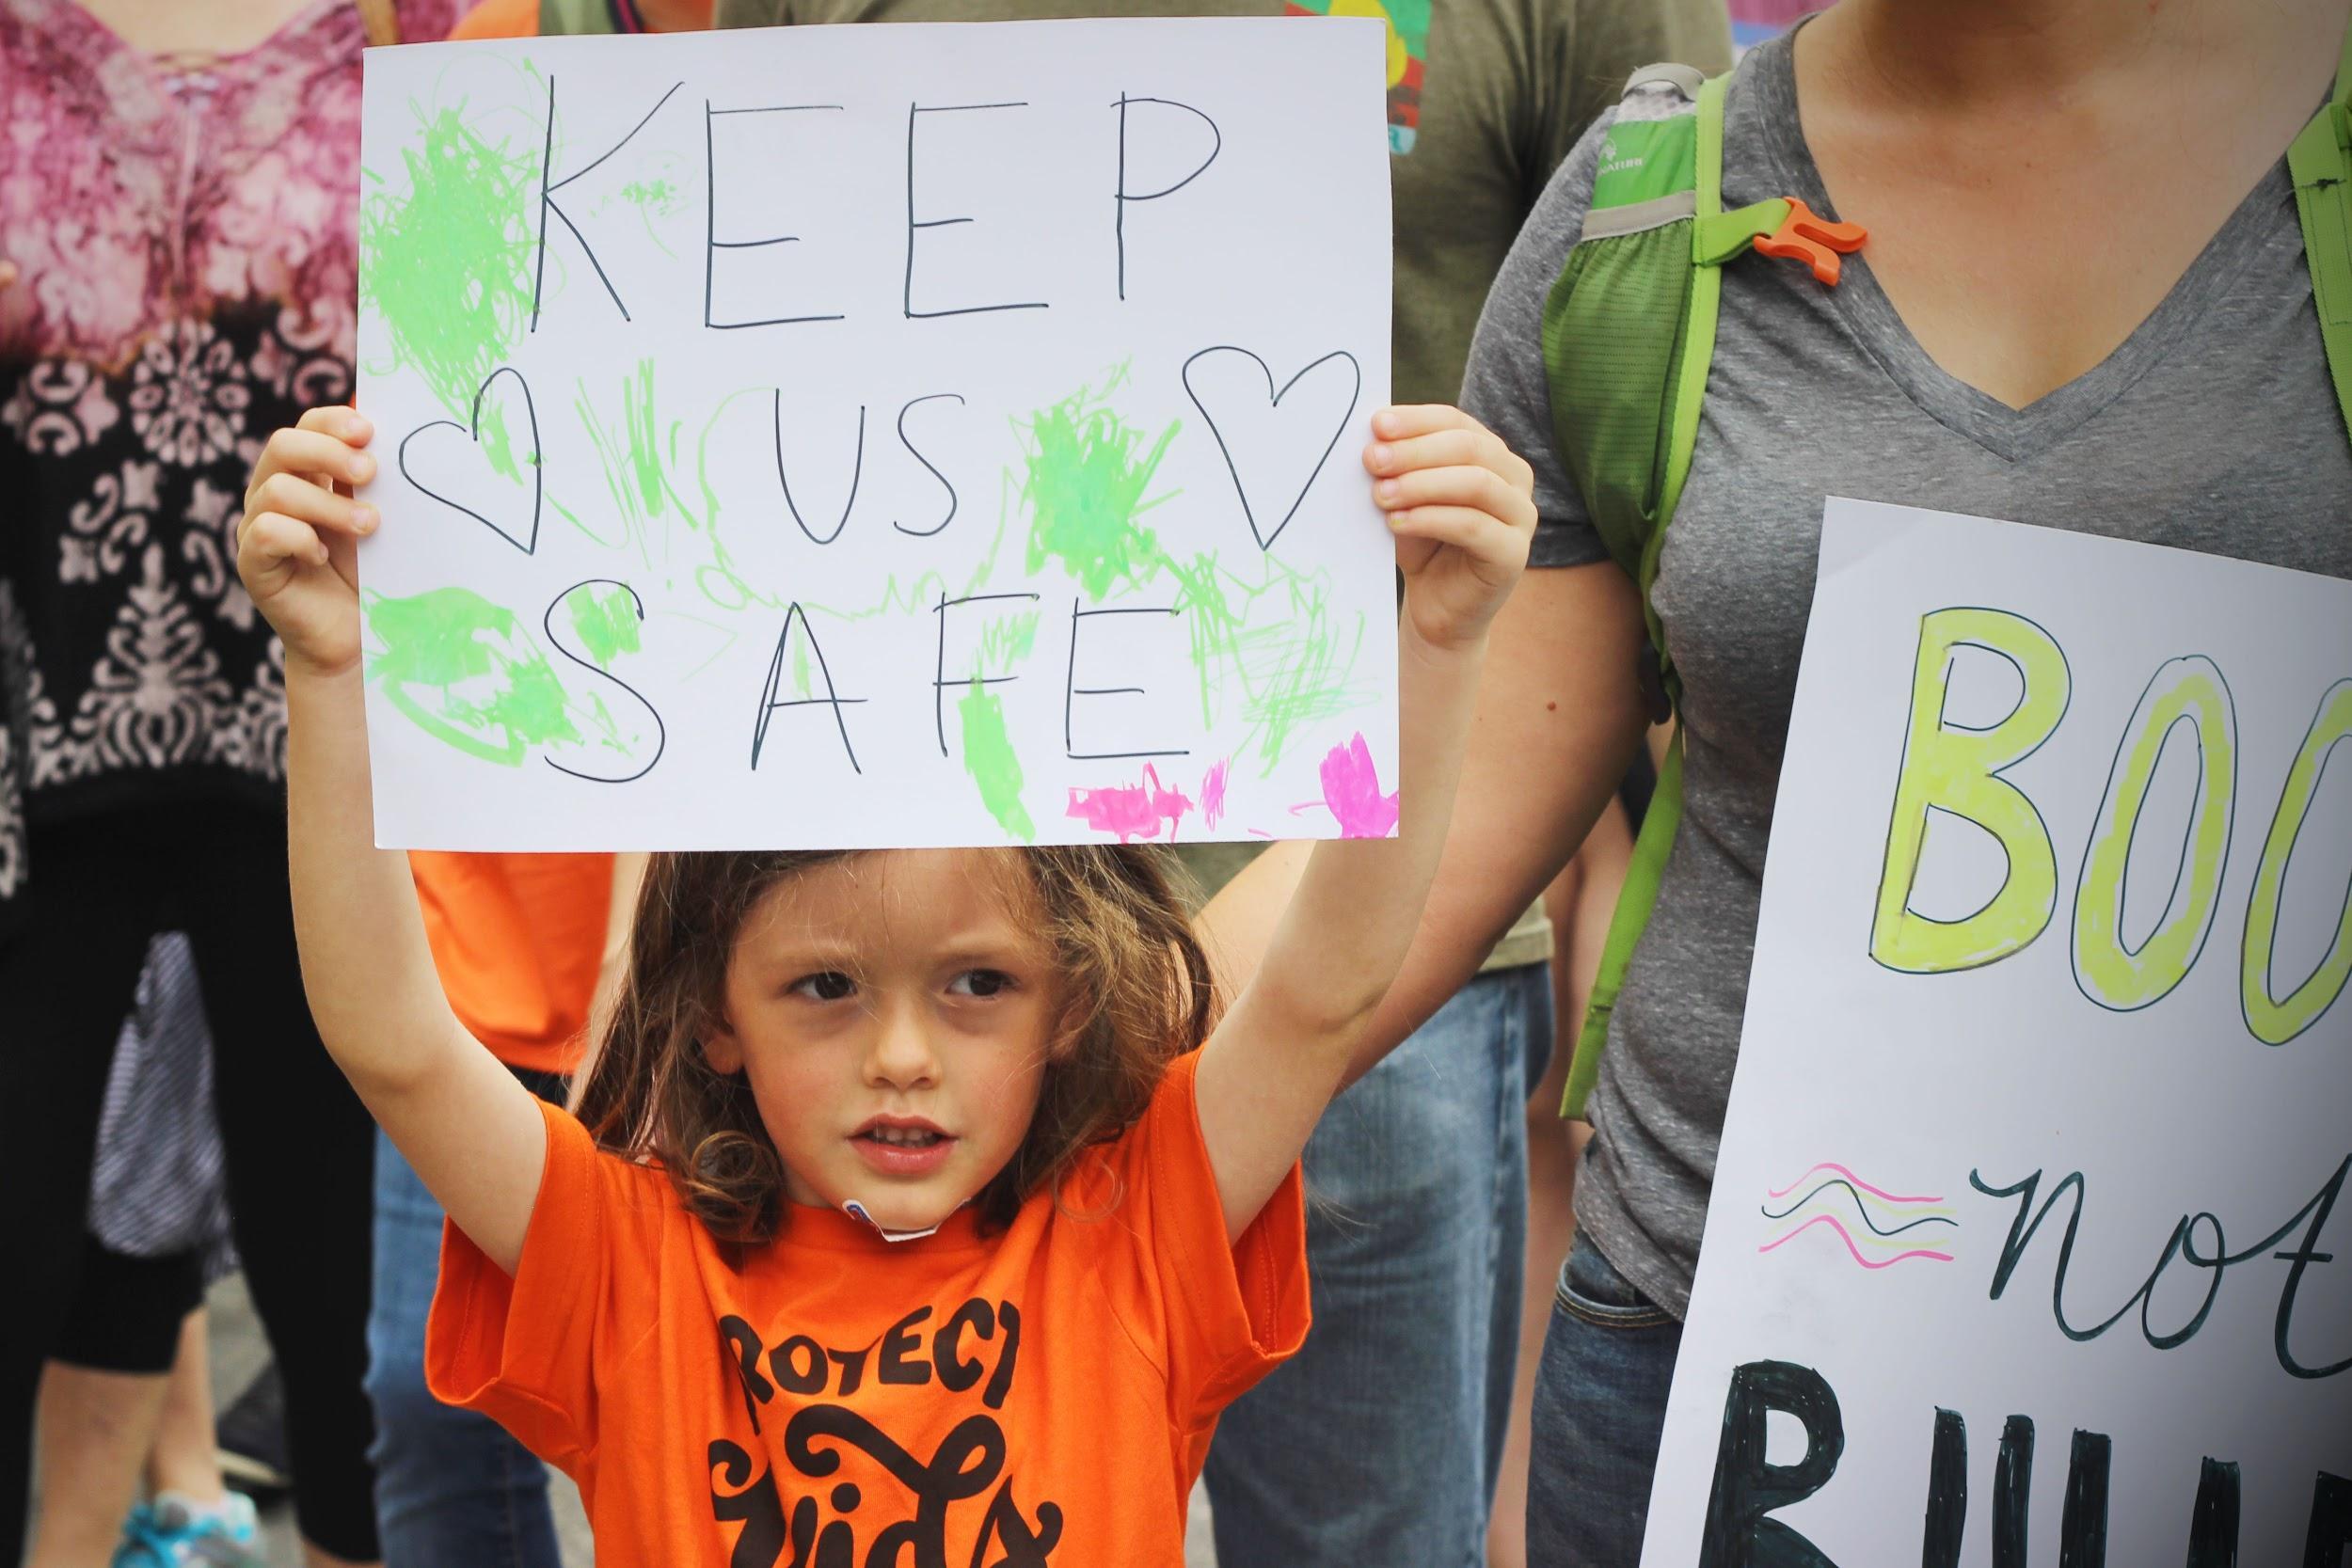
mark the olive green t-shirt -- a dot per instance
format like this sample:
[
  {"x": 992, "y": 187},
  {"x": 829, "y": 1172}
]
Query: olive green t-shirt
[{"x": 1486, "y": 96}]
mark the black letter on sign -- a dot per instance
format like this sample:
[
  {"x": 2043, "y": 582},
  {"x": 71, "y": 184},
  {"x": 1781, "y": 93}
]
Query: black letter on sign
[
  {"x": 2331, "y": 1522},
  {"x": 939, "y": 682},
  {"x": 1747, "y": 1487},
  {"x": 761, "y": 1545},
  {"x": 2322, "y": 1205},
  {"x": 1072, "y": 690},
  {"x": 2213, "y": 1526},
  {"x": 661, "y": 731},
  {"x": 547, "y": 202},
  {"x": 2013, "y": 1494},
  {"x": 1123, "y": 196},
  {"x": 926, "y": 532},
  {"x": 857, "y": 472},
  {"x": 712, "y": 245},
  {"x": 1948, "y": 1493},
  {"x": 907, "y": 298},
  {"x": 832, "y": 699},
  {"x": 2083, "y": 1527}
]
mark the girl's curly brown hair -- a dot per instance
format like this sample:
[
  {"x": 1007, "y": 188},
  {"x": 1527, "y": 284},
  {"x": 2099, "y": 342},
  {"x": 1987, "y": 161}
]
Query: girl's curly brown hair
[{"x": 1134, "y": 994}]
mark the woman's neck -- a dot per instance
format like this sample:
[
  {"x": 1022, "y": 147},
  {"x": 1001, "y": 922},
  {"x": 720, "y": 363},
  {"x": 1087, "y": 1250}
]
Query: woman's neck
[
  {"x": 1934, "y": 54},
  {"x": 192, "y": 31}
]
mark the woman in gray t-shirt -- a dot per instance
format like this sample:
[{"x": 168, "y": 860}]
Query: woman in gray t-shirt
[{"x": 2084, "y": 304}]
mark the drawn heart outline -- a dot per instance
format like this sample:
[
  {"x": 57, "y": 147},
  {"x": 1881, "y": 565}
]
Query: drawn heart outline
[
  {"x": 538, "y": 473},
  {"x": 1265, "y": 540}
]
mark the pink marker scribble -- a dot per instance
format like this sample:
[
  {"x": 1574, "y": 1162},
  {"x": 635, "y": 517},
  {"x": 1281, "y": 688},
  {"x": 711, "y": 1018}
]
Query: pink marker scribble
[
  {"x": 1834, "y": 1167},
  {"x": 1130, "y": 810},
  {"x": 1213, "y": 793},
  {"x": 1351, "y": 788},
  {"x": 1846, "y": 1236}
]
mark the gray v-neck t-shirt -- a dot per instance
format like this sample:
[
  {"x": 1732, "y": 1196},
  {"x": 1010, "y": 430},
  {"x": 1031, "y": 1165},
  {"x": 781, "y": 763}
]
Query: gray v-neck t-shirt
[{"x": 2213, "y": 428}]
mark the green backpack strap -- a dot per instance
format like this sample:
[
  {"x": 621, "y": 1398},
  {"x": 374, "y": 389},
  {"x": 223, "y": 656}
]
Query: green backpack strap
[
  {"x": 1637, "y": 411},
  {"x": 2320, "y": 161},
  {"x": 568, "y": 18},
  {"x": 1628, "y": 335}
]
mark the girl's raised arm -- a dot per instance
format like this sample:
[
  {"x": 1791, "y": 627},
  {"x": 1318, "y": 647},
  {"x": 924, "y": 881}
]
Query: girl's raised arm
[
  {"x": 1460, "y": 505},
  {"x": 472, "y": 1133}
]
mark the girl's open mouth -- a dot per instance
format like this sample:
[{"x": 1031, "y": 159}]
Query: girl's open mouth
[{"x": 902, "y": 1147}]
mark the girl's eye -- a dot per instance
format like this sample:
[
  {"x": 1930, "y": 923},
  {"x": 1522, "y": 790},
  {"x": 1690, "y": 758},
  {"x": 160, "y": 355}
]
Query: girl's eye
[
  {"x": 980, "y": 982},
  {"x": 830, "y": 986}
]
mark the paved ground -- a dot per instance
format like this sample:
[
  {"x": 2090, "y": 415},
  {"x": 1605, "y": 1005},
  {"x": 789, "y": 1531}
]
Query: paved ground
[{"x": 238, "y": 1351}]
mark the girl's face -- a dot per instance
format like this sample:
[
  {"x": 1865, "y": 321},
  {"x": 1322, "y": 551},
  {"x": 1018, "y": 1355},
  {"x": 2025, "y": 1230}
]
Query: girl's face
[{"x": 893, "y": 1012}]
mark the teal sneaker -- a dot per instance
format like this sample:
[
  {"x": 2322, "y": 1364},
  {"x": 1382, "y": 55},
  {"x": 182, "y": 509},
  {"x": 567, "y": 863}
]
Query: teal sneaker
[{"x": 167, "y": 1534}]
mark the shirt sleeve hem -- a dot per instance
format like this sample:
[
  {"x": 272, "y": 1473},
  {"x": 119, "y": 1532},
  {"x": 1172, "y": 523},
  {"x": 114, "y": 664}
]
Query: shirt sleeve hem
[
  {"x": 486, "y": 1339},
  {"x": 1251, "y": 1295}
]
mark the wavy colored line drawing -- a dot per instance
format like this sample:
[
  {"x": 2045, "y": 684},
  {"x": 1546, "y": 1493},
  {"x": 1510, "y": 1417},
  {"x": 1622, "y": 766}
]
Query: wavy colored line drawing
[
  {"x": 1831, "y": 1166},
  {"x": 1860, "y": 1204},
  {"x": 1843, "y": 1235}
]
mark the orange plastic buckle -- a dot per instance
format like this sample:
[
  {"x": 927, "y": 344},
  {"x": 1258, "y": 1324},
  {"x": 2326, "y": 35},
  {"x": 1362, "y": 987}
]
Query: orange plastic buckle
[{"x": 1816, "y": 242}]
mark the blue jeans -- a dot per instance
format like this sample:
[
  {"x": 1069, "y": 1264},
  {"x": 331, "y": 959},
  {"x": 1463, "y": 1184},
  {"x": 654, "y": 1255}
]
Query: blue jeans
[
  {"x": 453, "y": 1490},
  {"x": 1380, "y": 1441},
  {"x": 1600, "y": 1408}
]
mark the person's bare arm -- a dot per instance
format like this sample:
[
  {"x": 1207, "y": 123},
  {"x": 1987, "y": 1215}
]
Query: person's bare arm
[
  {"x": 1459, "y": 503},
  {"x": 472, "y": 1133},
  {"x": 1559, "y": 715},
  {"x": 629, "y": 875}
]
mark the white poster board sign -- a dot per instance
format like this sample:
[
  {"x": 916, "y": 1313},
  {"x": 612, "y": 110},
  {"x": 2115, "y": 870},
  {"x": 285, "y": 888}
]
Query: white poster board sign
[
  {"x": 833, "y": 436},
  {"x": 2025, "y": 1243}
]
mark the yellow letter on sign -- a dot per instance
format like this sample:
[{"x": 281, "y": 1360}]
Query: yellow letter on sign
[
  {"x": 1952, "y": 769},
  {"x": 2272, "y": 1020},
  {"x": 2110, "y": 970}
]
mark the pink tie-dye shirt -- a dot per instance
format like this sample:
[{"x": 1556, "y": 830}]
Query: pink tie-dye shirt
[{"x": 187, "y": 247}]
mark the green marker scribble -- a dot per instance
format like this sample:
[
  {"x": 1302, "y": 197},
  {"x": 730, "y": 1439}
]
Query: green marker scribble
[
  {"x": 497, "y": 446},
  {"x": 1085, "y": 486},
  {"x": 656, "y": 196},
  {"x": 1273, "y": 647},
  {"x": 653, "y": 195},
  {"x": 801, "y": 687},
  {"x": 988, "y": 757},
  {"x": 635, "y": 453},
  {"x": 1270, "y": 650},
  {"x": 449, "y": 267},
  {"x": 467, "y": 674},
  {"x": 1007, "y": 640},
  {"x": 573, "y": 518},
  {"x": 645, "y": 450},
  {"x": 606, "y": 621}
]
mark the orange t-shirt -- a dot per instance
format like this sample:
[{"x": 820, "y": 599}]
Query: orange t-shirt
[
  {"x": 1042, "y": 1396},
  {"x": 498, "y": 19},
  {"x": 509, "y": 19},
  {"x": 518, "y": 940}
]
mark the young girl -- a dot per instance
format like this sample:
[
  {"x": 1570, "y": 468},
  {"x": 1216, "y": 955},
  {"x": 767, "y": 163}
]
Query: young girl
[{"x": 914, "y": 1215}]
